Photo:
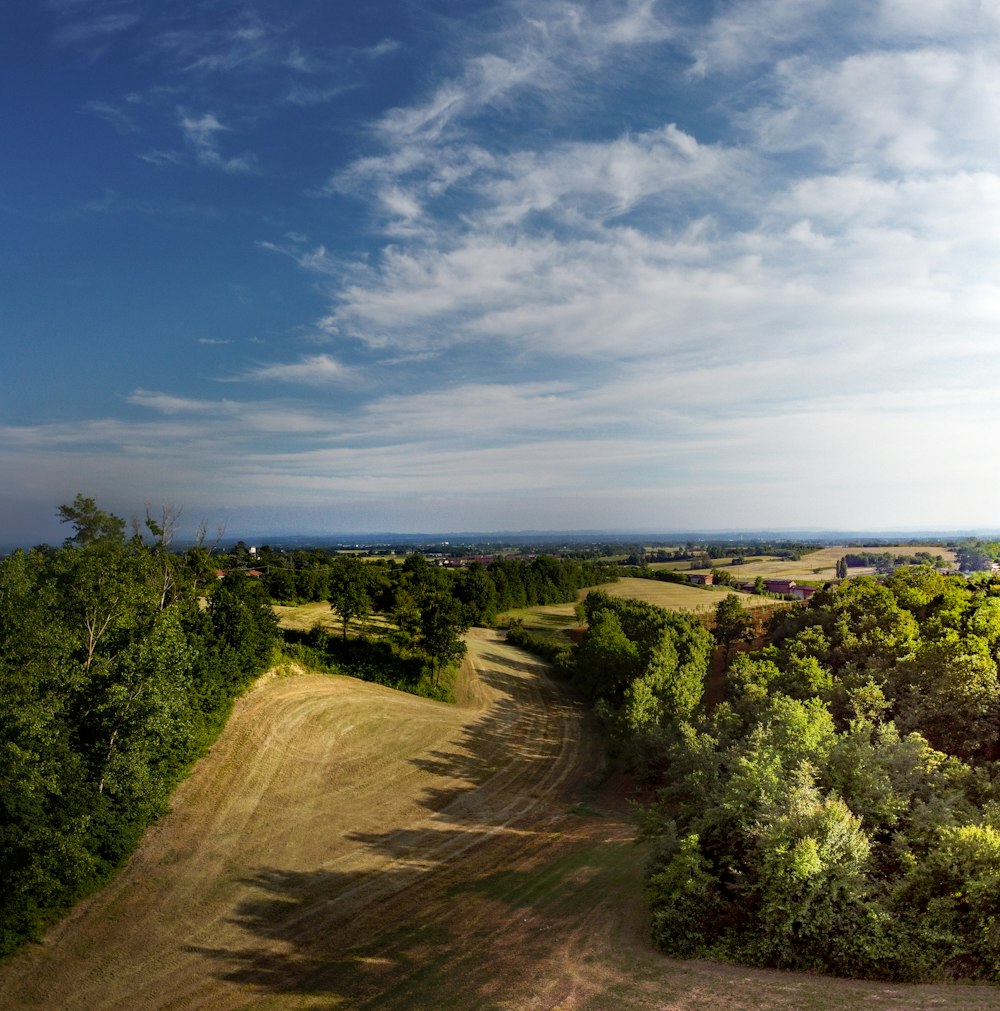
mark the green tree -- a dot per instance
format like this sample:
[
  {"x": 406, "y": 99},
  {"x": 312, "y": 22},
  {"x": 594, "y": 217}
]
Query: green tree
[
  {"x": 607, "y": 661},
  {"x": 442, "y": 624},
  {"x": 949, "y": 692},
  {"x": 90, "y": 524},
  {"x": 478, "y": 594},
  {"x": 809, "y": 886},
  {"x": 348, "y": 583},
  {"x": 732, "y": 623}
]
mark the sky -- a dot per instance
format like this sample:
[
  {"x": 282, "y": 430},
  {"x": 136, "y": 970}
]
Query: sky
[{"x": 526, "y": 265}]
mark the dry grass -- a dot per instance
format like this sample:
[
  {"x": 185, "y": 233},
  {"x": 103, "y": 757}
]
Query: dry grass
[
  {"x": 304, "y": 617},
  {"x": 345, "y": 846},
  {"x": 816, "y": 565},
  {"x": 678, "y": 597}
]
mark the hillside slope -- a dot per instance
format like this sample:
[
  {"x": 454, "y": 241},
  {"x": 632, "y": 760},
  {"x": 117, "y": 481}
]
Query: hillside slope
[{"x": 344, "y": 845}]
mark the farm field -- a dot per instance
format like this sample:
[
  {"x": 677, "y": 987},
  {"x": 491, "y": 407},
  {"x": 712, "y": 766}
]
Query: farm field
[
  {"x": 817, "y": 565},
  {"x": 344, "y": 845},
  {"x": 675, "y": 596}
]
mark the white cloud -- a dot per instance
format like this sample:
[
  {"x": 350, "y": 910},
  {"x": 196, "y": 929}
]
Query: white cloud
[
  {"x": 202, "y": 135},
  {"x": 313, "y": 370},
  {"x": 167, "y": 404},
  {"x": 936, "y": 20},
  {"x": 748, "y": 33},
  {"x": 597, "y": 180},
  {"x": 936, "y": 109},
  {"x": 382, "y": 48}
]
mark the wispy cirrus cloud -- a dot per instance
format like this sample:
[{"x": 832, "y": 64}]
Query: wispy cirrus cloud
[
  {"x": 617, "y": 254},
  {"x": 544, "y": 51},
  {"x": 243, "y": 43},
  {"x": 935, "y": 110},
  {"x": 202, "y": 135},
  {"x": 165, "y": 403},
  {"x": 311, "y": 370},
  {"x": 97, "y": 25}
]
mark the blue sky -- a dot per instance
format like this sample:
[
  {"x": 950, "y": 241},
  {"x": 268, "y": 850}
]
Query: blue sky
[{"x": 519, "y": 265}]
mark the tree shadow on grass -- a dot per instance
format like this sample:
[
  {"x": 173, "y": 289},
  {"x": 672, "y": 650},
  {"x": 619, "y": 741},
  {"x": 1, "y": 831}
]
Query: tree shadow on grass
[
  {"x": 352, "y": 937},
  {"x": 393, "y": 939},
  {"x": 346, "y": 937},
  {"x": 519, "y": 745},
  {"x": 302, "y": 930}
]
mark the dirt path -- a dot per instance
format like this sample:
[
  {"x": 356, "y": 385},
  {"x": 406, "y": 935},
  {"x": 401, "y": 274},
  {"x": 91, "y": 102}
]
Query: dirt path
[{"x": 347, "y": 846}]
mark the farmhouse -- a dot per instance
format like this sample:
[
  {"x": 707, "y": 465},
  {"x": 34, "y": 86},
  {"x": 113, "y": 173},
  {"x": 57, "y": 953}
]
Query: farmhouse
[
  {"x": 779, "y": 585},
  {"x": 700, "y": 578}
]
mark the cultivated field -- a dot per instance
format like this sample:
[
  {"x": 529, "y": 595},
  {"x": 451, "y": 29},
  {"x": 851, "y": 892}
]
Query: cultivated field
[
  {"x": 678, "y": 597},
  {"x": 345, "y": 846},
  {"x": 816, "y": 565}
]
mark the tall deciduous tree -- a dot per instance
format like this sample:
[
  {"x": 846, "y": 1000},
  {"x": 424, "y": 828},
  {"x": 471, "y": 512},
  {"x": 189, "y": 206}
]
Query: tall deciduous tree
[
  {"x": 348, "y": 582},
  {"x": 732, "y": 623},
  {"x": 442, "y": 624}
]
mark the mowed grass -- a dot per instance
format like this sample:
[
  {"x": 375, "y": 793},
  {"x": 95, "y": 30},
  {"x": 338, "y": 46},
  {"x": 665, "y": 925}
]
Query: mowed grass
[{"x": 816, "y": 565}]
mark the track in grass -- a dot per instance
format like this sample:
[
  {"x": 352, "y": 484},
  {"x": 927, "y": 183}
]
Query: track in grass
[{"x": 344, "y": 845}]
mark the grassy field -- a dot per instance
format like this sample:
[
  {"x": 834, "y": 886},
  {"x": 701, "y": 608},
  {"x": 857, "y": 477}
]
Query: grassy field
[
  {"x": 674, "y": 596},
  {"x": 346, "y": 846},
  {"x": 304, "y": 617},
  {"x": 677, "y": 596},
  {"x": 816, "y": 565}
]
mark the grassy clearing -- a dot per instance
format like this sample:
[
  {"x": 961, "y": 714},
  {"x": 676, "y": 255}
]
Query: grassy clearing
[
  {"x": 304, "y": 617},
  {"x": 544, "y": 617}
]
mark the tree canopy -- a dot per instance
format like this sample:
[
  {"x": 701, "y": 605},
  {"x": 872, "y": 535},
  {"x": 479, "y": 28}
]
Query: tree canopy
[
  {"x": 840, "y": 811},
  {"x": 117, "y": 667}
]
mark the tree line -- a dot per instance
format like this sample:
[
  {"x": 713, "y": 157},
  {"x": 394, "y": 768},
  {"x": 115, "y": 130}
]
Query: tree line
[
  {"x": 484, "y": 590},
  {"x": 422, "y": 610},
  {"x": 119, "y": 663},
  {"x": 839, "y": 811}
]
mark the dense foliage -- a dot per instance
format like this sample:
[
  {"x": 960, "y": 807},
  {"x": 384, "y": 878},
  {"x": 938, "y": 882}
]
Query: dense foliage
[
  {"x": 643, "y": 667},
  {"x": 887, "y": 561},
  {"x": 840, "y": 812},
  {"x": 976, "y": 555},
  {"x": 484, "y": 590},
  {"x": 119, "y": 662},
  {"x": 423, "y": 610}
]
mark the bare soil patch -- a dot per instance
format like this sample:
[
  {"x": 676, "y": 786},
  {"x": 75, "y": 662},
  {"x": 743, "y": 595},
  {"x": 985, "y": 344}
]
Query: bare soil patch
[{"x": 344, "y": 845}]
